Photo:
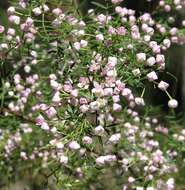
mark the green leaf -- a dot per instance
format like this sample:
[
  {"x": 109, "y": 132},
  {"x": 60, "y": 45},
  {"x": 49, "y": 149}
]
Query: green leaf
[{"x": 99, "y": 5}]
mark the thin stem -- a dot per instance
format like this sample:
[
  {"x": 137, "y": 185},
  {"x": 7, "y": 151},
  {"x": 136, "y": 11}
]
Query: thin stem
[
  {"x": 143, "y": 92},
  {"x": 168, "y": 95}
]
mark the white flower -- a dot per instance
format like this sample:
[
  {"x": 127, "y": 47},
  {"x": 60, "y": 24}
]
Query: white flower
[
  {"x": 3, "y": 46},
  {"x": 167, "y": 43},
  {"x": 11, "y": 32},
  {"x": 81, "y": 32},
  {"x": 94, "y": 105},
  {"x": 37, "y": 11},
  {"x": 170, "y": 184},
  {"x": 152, "y": 76},
  {"x": 141, "y": 57},
  {"x": 99, "y": 37},
  {"x": 27, "y": 69},
  {"x": 116, "y": 98},
  {"x": 177, "y": 2},
  {"x": 150, "y": 61},
  {"x": 59, "y": 145},
  {"x": 173, "y": 31},
  {"x": 139, "y": 101},
  {"x": 63, "y": 159},
  {"x": 126, "y": 92},
  {"x": 45, "y": 126},
  {"x": 99, "y": 130},
  {"x": 131, "y": 179},
  {"x": 45, "y": 8},
  {"x": 136, "y": 72},
  {"x": 147, "y": 38},
  {"x": 100, "y": 160},
  {"x": 139, "y": 188},
  {"x": 102, "y": 18},
  {"x": 108, "y": 91},
  {"x": 7, "y": 85},
  {"x": 10, "y": 93},
  {"x": 84, "y": 108},
  {"x": 83, "y": 43},
  {"x": 172, "y": 103},
  {"x": 163, "y": 85},
  {"x": 2, "y": 29},
  {"x": 183, "y": 23},
  {"x": 115, "y": 138},
  {"x": 34, "y": 54},
  {"x": 54, "y": 84},
  {"x": 160, "y": 58},
  {"x": 74, "y": 145},
  {"x": 87, "y": 140},
  {"x": 82, "y": 23},
  {"x": 112, "y": 60},
  {"x": 110, "y": 158},
  {"x": 150, "y": 188},
  {"x": 57, "y": 11},
  {"x": 116, "y": 1},
  {"x": 56, "y": 98},
  {"x": 117, "y": 107},
  {"x": 77, "y": 45},
  {"x": 53, "y": 130},
  {"x": 74, "y": 93},
  {"x": 112, "y": 73},
  {"x": 11, "y": 10},
  {"x": 98, "y": 91}
]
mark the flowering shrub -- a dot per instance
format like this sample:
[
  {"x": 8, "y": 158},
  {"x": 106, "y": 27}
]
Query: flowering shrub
[{"x": 73, "y": 108}]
